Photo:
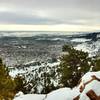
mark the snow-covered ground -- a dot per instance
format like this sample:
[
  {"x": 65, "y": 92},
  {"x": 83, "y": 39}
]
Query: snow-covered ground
[
  {"x": 29, "y": 69},
  {"x": 80, "y": 40},
  {"x": 30, "y": 97},
  {"x": 34, "y": 71},
  {"x": 67, "y": 93},
  {"x": 92, "y": 48}
]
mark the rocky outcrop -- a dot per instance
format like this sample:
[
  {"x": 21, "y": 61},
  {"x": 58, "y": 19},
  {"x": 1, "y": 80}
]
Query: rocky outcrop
[{"x": 87, "y": 89}]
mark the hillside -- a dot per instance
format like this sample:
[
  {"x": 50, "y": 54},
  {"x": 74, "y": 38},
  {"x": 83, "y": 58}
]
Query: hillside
[
  {"x": 87, "y": 89},
  {"x": 48, "y": 67}
]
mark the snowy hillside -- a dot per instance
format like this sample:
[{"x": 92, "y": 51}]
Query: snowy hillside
[
  {"x": 36, "y": 58},
  {"x": 87, "y": 89},
  {"x": 92, "y": 48},
  {"x": 34, "y": 72}
]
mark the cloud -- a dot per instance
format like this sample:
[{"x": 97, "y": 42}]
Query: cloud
[{"x": 50, "y": 12}]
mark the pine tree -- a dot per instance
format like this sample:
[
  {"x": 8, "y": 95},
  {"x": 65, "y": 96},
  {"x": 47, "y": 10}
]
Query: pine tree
[
  {"x": 96, "y": 66},
  {"x": 7, "y": 84},
  {"x": 73, "y": 65},
  {"x": 21, "y": 84}
]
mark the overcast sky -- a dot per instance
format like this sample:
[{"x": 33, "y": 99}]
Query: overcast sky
[{"x": 54, "y": 15}]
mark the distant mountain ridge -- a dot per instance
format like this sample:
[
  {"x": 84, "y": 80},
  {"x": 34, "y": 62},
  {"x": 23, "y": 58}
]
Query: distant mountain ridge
[{"x": 93, "y": 35}]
